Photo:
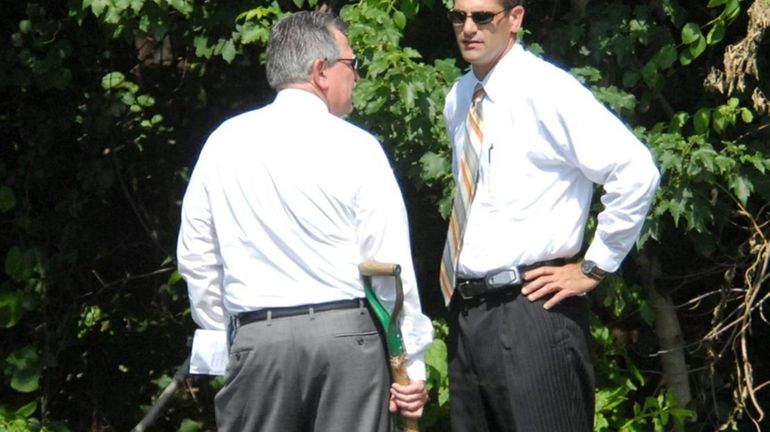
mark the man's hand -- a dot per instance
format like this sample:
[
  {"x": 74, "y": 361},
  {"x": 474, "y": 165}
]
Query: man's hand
[
  {"x": 409, "y": 399},
  {"x": 561, "y": 282}
]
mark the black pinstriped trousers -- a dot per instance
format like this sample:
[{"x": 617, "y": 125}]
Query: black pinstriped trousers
[{"x": 516, "y": 367}]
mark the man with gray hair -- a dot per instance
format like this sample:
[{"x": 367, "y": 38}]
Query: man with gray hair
[{"x": 275, "y": 221}]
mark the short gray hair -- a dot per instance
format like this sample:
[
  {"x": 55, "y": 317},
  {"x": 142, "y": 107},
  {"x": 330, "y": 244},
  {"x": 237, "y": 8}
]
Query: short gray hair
[{"x": 296, "y": 41}]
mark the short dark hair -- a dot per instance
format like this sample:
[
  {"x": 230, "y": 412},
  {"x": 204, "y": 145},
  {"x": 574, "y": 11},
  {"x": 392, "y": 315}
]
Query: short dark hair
[{"x": 509, "y": 4}]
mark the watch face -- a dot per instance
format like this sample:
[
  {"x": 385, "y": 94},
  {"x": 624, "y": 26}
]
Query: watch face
[{"x": 588, "y": 266}]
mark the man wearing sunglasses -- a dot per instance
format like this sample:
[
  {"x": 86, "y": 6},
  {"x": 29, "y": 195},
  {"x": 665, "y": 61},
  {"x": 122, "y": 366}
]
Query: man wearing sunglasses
[
  {"x": 529, "y": 145},
  {"x": 283, "y": 204}
]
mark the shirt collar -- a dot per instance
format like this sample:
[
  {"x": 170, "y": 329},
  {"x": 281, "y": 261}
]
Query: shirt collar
[
  {"x": 309, "y": 101},
  {"x": 500, "y": 77}
]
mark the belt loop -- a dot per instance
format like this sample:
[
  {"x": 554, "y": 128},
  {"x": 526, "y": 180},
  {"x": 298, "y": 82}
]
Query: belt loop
[
  {"x": 361, "y": 306},
  {"x": 312, "y": 313},
  {"x": 232, "y": 328},
  {"x": 269, "y": 317}
]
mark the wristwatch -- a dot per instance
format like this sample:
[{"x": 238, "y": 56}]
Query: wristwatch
[{"x": 590, "y": 269}]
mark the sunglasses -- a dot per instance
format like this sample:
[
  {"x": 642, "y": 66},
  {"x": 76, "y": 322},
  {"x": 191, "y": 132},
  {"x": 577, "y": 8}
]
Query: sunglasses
[
  {"x": 353, "y": 63},
  {"x": 457, "y": 17}
]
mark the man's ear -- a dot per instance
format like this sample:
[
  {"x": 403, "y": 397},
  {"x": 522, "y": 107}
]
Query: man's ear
[
  {"x": 517, "y": 18},
  {"x": 319, "y": 74}
]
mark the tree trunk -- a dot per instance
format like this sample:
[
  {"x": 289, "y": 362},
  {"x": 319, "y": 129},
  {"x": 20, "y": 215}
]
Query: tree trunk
[{"x": 669, "y": 332}]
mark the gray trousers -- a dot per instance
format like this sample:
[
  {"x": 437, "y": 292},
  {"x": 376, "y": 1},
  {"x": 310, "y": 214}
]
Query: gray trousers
[
  {"x": 516, "y": 367},
  {"x": 321, "y": 372}
]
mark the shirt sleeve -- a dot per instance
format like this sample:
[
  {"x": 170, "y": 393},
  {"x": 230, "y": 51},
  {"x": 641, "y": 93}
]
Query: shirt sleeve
[
  {"x": 384, "y": 236},
  {"x": 609, "y": 154},
  {"x": 198, "y": 257}
]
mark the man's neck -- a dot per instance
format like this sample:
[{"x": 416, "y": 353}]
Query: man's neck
[
  {"x": 481, "y": 72},
  {"x": 308, "y": 87}
]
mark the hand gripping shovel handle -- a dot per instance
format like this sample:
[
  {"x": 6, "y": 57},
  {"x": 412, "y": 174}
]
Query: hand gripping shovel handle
[{"x": 390, "y": 322}]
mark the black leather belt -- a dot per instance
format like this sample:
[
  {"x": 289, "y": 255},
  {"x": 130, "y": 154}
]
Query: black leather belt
[
  {"x": 283, "y": 312},
  {"x": 500, "y": 280}
]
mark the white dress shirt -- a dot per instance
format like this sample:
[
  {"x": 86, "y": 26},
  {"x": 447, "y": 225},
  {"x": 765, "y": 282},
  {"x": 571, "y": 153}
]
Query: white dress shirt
[
  {"x": 283, "y": 204},
  {"x": 547, "y": 141}
]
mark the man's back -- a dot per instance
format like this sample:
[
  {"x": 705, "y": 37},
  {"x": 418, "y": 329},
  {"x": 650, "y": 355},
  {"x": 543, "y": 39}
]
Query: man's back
[{"x": 286, "y": 186}]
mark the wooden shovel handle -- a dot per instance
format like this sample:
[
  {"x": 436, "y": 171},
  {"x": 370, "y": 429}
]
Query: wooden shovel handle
[
  {"x": 398, "y": 369},
  {"x": 376, "y": 268}
]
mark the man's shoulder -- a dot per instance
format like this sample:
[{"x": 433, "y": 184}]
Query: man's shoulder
[
  {"x": 338, "y": 125},
  {"x": 541, "y": 72}
]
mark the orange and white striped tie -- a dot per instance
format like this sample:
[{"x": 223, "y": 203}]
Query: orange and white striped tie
[{"x": 465, "y": 191}]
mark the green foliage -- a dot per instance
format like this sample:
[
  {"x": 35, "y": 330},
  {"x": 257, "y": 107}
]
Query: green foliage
[
  {"x": 436, "y": 413},
  {"x": 620, "y": 381},
  {"x": 400, "y": 98},
  {"x": 24, "y": 368},
  {"x": 106, "y": 104},
  {"x": 22, "y": 420}
]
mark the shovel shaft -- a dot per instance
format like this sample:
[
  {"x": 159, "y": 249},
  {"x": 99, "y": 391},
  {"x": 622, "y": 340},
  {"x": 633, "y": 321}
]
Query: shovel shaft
[
  {"x": 398, "y": 370},
  {"x": 395, "y": 345}
]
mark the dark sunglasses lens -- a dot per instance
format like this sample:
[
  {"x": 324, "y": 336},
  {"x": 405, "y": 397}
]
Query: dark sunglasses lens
[
  {"x": 456, "y": 17},
  {"x": 482, "y": 17}
]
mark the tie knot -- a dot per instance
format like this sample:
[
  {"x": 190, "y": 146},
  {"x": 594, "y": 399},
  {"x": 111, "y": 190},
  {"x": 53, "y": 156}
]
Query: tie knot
[{"x": 478, "y": 93}]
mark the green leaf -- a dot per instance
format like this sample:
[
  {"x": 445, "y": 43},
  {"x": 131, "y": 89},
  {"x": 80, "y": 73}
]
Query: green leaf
[
  {"x": 725, "y": 164},
  {"x": 690, "y": 33},
  {"x": 746, "y": 115},
  {"x": 587, "y": 73},
  {"x": 113, "y": 80},
  {"x": 25, "y": 26},
  {"x": 174, "y": 277},
  {"x": 647, "y": 312},
  {"x": 732, "y": 8},
  {"x": 685, "y": 57},
  {"x": 666, "y": 56},
  {"x": 678, "y": 121},
  {"x": 676, "y": 209},
  {"x": 702, "y": 120},
  {"x": 202, "y": 48},
  {"x": 742, "y": 188},
  {"x": 20, "y": 264},
  {"x": 434, "y": 166},
  {"x": 11, "y": 309},
  {"x": 722, "y": 119},
  {"x": 189, "y": 425},
  {"x": 436, "y": 357},
  {"x": 25, "y": 367},
  {"x": 697, "y": 48},
  {"x": 228, "y": 51},
  {"x": 185, "y": 7},
  {"x": 26, "y": 411},
  {"x": 717, "y": 33},
  {"x": 399, "y": 19},
  {"x": 715, "y": 3},
  {"x": 7, "y": 199}
]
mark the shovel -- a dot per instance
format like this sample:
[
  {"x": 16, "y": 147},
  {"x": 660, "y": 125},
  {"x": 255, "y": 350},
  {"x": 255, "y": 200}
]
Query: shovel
[{"x": 390, "y": 322}]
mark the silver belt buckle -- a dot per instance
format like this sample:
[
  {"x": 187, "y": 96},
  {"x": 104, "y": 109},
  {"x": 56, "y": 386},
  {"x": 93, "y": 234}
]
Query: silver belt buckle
[{"x": 503, "y": 278}]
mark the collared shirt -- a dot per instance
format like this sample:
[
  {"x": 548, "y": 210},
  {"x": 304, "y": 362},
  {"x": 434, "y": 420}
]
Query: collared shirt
[
  {"x": 547, "y": 141},
  {"x": 283, "y": 204}
]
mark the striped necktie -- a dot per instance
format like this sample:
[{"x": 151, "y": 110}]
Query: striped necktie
[{"x": 466, "y": 189}]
